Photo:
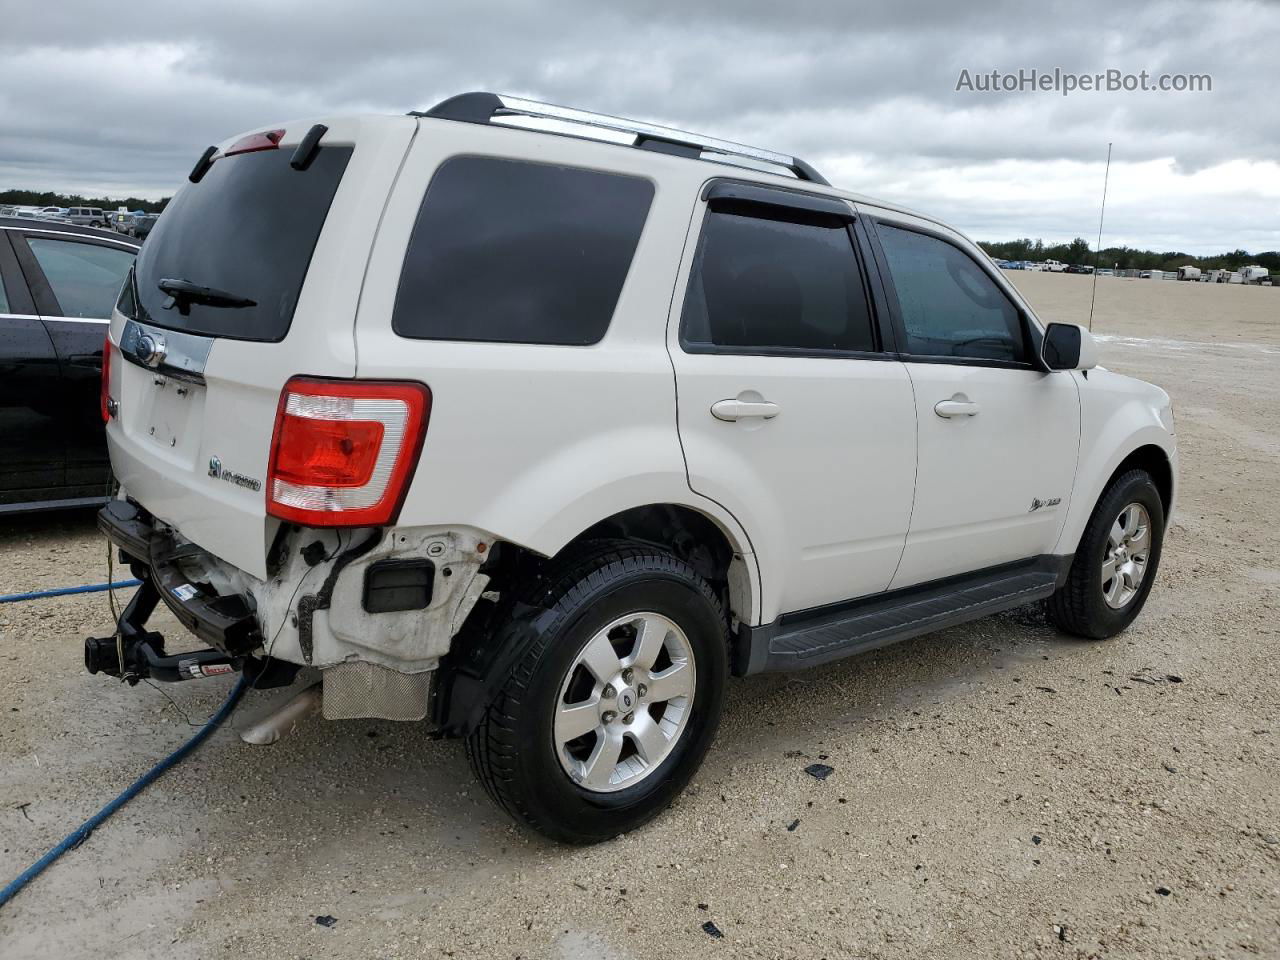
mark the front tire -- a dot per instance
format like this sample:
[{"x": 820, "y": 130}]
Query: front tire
[
  {"x": 614, "y": 700},
  {"x": 1116, "y": 562}
]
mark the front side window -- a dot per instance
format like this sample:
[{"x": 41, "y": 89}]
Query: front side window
[
  {"x": 514, "y": 252},
  {"x": 85, "y": 277},
  {"x": 950, "y": 306},
  {"x": 769, "y": 280}
]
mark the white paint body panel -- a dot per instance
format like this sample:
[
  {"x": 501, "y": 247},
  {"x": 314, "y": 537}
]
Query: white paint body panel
[
  {"x": 825, "y": 487},
  {"x": 1118, "y": 415},
  {"x": 536, "y": 443},
  {"x": 232, "y": 416},
  {"x": 979, "y": 475}
]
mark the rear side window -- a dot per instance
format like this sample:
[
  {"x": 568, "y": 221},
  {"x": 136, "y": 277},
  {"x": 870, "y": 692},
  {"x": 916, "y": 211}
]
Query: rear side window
[
  {"x": 765, "y": 281},
  {"x": 515, "y": 252},
  {"x": 950, "y": 307},
  {"x": 247, "y": 229},
  {"x": 85, "y": 277}
]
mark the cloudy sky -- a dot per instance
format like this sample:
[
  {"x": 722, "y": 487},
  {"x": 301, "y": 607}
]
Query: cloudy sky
[{"x": 121, "y": 98}]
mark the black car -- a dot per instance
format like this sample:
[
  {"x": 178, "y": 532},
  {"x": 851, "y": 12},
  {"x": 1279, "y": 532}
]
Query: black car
[{"x": 58, "y": 284}]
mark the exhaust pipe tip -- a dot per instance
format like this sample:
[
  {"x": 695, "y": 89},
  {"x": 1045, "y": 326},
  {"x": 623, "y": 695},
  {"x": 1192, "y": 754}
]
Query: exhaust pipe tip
[{"x": 283, "y": 720}]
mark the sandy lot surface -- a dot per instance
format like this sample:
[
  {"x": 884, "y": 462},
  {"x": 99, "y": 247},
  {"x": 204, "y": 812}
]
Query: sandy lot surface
[{"x": 999, "y": 790}]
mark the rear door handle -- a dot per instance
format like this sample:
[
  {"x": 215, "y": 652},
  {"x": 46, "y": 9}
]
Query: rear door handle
[
  {"x": 744, "y": 409},
  {"x": 957, "y": 406}
]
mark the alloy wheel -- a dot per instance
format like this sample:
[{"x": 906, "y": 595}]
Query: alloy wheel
[
  {"x": 1124, "y": 559},
  {"x": 624, "y": 702}
]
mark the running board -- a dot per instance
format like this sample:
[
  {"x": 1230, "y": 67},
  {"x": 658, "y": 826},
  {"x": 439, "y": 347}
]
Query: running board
[{"x": 811, "y": 637}]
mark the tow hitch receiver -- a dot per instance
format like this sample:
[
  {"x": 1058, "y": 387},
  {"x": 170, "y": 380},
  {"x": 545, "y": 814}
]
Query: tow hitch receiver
[{"x": 136, "y": 653}]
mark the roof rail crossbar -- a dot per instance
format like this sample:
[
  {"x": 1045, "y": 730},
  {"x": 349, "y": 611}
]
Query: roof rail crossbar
[{"x": 484, "y": 107}]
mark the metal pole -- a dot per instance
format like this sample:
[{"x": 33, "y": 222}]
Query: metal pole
[{"x": 1097, "y": 253}]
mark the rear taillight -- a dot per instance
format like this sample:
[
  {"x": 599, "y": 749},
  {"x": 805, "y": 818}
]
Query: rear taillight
[
  {"x": 266, "y": 140},
  {"x": 344, "y": 451},
  {"x": 104, "y": 393}
]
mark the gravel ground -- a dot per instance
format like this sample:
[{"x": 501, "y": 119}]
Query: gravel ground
[{"x": 999, "y": 790}]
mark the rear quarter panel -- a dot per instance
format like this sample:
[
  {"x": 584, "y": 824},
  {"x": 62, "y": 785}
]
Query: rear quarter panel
[{"x": 536, "y": 443}]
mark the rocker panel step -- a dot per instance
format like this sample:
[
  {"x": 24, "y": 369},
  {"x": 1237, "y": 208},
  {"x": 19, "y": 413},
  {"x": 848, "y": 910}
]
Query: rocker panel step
[{"x": 812, "y": 637}]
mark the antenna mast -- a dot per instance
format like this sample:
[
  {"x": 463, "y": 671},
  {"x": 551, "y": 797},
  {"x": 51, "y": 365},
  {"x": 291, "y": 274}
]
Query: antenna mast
[{"x": 1097, "y": 253}]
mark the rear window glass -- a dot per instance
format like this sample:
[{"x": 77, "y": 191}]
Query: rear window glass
[
  {"x": 516, "y": 252},
  {"x": 247, "y": 229}
]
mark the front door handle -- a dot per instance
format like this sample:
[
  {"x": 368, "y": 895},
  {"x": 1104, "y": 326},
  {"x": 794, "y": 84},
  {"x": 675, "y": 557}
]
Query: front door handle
[
  {"x": 744, "y": 409},
  {"x": 957, "y": 406}
]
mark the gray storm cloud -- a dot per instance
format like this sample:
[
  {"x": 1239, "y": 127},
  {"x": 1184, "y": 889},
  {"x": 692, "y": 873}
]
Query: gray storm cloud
[{"x": 867, "y": 93}]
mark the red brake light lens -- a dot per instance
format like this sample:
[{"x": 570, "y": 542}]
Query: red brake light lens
[
  {"x": 330, "y": 453},
  {"x": 266, "y": 140},
  {"x": 344, "y": 451},
  {"x": 104, "y": 393}
]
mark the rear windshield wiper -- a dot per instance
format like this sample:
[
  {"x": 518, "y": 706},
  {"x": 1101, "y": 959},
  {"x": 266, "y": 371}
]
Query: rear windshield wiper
[{"x": 183, "y": 293}]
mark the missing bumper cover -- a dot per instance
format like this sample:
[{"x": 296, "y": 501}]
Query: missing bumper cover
[{"x": 394, "y": 585}]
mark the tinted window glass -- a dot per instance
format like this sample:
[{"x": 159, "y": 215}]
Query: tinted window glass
[
  {"x": 85, "y": 277},
  {"x": 761, "y": 282},
  {"x": 4, "y": 300},
  {"x": 950, "y": 307},
  {"x": 519, "y": 252},
  {"x": 248, "y": 228}
]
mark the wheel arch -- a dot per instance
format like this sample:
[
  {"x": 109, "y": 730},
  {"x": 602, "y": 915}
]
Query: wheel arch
[
  {"x": 1154, "y": 461},
  {"x": 479, "y": 659},
  {"x": 711, "y": 543},
  {"x": 1150, "y": 449}
]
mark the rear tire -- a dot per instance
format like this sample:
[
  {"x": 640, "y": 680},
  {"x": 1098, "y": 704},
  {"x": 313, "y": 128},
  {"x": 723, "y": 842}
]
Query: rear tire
[
  {"x": 1116, "y": 562},
  {"x": 647, "y": 711}
]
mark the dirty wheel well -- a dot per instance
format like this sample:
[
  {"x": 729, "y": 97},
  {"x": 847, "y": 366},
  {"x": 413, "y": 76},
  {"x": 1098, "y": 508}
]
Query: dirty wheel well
[
  {"x": 685, "y": 533},
  {"x": 1153, "y": 460},
  {"x": 476, "y": 661}
]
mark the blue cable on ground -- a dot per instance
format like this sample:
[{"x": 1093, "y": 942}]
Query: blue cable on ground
[
  {"x": 66, "y": 591},
  {"x": 81, "y": 834}
]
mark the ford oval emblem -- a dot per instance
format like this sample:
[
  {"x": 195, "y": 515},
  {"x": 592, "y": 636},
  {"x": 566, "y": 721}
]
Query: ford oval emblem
[{"x": 150, "y": 350}]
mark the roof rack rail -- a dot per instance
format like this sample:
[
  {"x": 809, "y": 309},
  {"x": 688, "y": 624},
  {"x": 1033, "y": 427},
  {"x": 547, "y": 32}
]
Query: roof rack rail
[{"x": 484, "y": 107}]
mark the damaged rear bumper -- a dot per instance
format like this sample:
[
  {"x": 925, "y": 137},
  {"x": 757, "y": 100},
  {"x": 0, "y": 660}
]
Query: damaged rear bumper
[
  {"x": 373, "y": 609},
  {"x": 225, "y": 622}
]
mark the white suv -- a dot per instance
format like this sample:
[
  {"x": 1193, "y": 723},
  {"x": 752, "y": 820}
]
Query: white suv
[{"x": 542, "y": 434}]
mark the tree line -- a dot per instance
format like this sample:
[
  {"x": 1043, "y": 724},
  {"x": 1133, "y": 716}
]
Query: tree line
[
  {"x": 1128, "y": 258},
  {"x": 1077, "y": 251},
  {"x": 47, "y": 198}
]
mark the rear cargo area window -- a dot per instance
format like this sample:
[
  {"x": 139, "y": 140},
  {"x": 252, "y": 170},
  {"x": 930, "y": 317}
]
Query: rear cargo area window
[
  {"x": 247, "y": 230},
  {"x": 514, "y": 252}
]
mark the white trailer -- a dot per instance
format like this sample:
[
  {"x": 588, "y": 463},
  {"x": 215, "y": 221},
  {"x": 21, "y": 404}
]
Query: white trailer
[
  {"x": 1253, "y": 274},
  {"x": 1188, "y": 273}
]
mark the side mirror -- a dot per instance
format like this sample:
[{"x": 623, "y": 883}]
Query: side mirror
[{"x": 1068, "y": 346}]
